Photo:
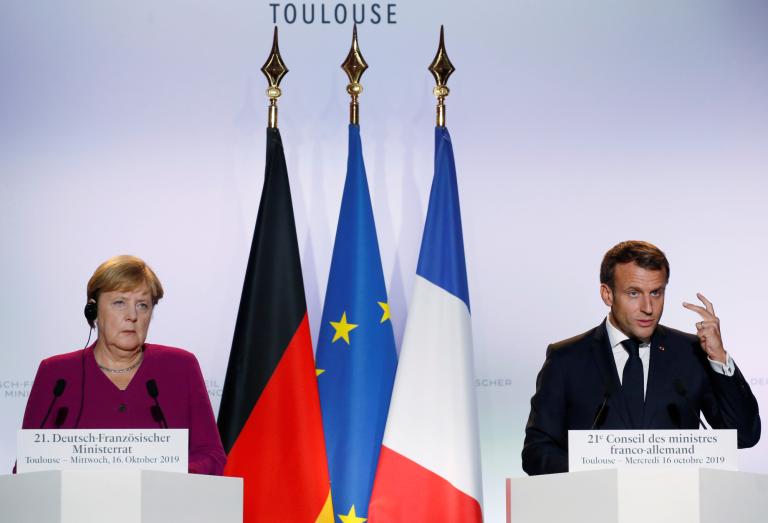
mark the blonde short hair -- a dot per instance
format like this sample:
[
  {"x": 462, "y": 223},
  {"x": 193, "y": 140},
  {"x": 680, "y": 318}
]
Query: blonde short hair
[{"x": 124, "y": 273}]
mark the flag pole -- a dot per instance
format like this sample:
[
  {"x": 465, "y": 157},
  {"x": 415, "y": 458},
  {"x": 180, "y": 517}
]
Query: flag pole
[
  {"x": 441, "y": 68},
  {"x": 274, "y": 69},
  {"x": 354, "y": 65}
]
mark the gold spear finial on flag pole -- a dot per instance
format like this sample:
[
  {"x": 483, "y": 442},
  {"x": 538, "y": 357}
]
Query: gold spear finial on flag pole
[
  {"x": 274, "y": 69},
  {"x": 441, "y": 68},
  {"x": 354, "y": 65}
]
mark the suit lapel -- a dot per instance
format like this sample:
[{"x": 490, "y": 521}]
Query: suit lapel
[
  {"x": 658, "y": 376},
  {"x": 606, "y": 364}
]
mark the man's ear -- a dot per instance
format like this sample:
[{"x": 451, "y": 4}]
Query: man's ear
[{"x": 606, "y": 293}]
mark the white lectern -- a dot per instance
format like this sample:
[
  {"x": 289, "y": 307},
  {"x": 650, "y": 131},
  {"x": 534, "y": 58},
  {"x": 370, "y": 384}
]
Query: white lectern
[
  {"x": 119, "y": 496},
  {"x": 639, "y": 496}
]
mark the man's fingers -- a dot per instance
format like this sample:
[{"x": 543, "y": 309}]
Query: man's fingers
[
  {"x": 704, "y": 325},
  {"x": 704, "y": 313},
  {"x": 696, "y": 308},
  {"x": 707, "y": 303}
]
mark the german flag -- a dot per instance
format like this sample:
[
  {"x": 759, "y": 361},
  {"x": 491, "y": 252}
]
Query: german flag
[{"x": 269, "y": 418}]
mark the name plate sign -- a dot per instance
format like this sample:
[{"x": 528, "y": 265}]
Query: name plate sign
[
  {"x": 89, "y": 449},
  {"x": 606, "y": 449}
]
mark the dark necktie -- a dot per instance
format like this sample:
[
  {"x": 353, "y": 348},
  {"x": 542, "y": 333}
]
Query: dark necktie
[{"x": 632, "y": 383}]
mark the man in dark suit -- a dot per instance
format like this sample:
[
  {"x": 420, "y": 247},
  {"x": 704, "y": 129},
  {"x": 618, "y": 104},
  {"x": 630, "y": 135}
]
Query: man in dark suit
[{"x": 632, "y": 373}]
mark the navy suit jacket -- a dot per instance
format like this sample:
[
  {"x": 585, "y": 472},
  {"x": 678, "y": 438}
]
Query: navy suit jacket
[{"x": 579, "y": 376}]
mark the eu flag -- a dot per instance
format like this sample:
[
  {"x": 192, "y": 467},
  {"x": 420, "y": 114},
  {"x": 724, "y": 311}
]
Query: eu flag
[{"x": 356, "y": 357}]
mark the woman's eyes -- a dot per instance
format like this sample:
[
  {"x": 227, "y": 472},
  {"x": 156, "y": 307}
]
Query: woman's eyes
[{"x": 142, "y": 306}]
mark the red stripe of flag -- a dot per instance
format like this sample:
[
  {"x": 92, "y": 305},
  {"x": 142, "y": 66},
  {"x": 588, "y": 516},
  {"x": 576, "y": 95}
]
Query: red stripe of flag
[
  {"x": 417, "y": 494},
  {"x": 283, "y": 442}
]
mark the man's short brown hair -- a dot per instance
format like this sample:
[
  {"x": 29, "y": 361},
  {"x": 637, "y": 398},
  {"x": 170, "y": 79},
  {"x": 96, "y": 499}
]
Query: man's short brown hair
[{"x": 644, "y": 254}]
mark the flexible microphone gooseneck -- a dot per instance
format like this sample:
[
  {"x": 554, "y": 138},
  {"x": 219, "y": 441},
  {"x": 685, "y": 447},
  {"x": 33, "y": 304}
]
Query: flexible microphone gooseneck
[
  {"x": 61, "y": 417},
  {"x": 674, "y": 415},
  {"x": 601, "y": 412},
  {"x": 157, "y": 412},
  {"x": 58, "y": 390},
  {"x": 680, "y": 389}
]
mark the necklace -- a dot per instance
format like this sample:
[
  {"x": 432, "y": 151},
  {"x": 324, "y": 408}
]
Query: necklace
[{"x": 122, "y": 371}]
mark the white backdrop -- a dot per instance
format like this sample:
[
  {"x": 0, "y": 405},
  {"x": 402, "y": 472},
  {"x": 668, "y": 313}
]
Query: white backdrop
[{"x": 138, "y": 127}]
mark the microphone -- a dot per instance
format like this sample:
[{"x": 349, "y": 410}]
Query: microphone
[
  {"x": 680, "y": 389},
  {"x": 602, "y": 411},
  {"x": 58, "y": 390},
  {"x": 61, "y": 417},
  {"x": 157, "y": 412},
  {"x": 674, "y": 415}
]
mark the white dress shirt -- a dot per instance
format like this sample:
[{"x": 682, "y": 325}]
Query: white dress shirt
[{"x": 620, "y": 355}]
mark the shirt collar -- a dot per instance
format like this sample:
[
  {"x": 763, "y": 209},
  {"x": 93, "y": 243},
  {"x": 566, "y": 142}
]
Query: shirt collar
[{"x": 615, "y": 336}]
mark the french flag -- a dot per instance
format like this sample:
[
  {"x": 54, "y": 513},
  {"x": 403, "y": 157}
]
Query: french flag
[{"x": 429, "y": 466}]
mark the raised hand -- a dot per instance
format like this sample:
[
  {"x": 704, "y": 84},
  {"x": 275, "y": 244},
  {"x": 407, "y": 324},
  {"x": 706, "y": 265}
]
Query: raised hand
[{"x": 708, "y": 329}]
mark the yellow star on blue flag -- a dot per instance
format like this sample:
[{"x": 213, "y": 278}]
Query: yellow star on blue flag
[
  {"x": 351, "y": 517},
  {"x": 384, "y": 307},
  {"x": 342, "y": 328}
]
